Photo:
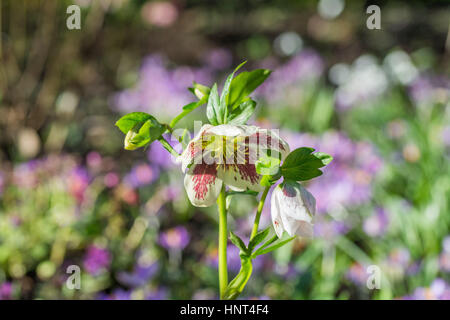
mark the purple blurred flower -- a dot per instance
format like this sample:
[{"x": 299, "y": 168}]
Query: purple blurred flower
[
  {"x": 176, "y": 238},
  {"x": 158, "y": 294},
  {"x": 347, "y": 180},
  {"x": 233, "y": 259},
  {"x": 161, "y": 89},
  {"x": 439, "y": 289},
  {"x": 96, "y": 260},
  {"x": 284, "y": 82},
  {"x": 377, "y": 223},
  {"x": 159, "y": 156},
  {"x": 111, "y": 179},
  {"x": 255, "y": 298},
  {"x": 428, "y": 89},
  {"x": 444, "y": 258},
  {"x": 357, "y": 273},
  {"x": 117, "y": 294},
  {"x": 78, "y": 181},
  {"x": 326, "y": 228},
  {"x": 94, "y": 160},
  {"x": 6, "y": 291},
  {"x": 140, "y": 275},
  {"x": 24, "y": 174},
  {"x": 399, "y": 257},
  {"x": 141, "y": 175},
  {"x": 288, "y": 272},
  {"x": 205, "y": 294},
  {"x": 219, "y": 58}
]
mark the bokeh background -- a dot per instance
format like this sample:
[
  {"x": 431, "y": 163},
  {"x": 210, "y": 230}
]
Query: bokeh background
[{"x": 377, "y": 100}]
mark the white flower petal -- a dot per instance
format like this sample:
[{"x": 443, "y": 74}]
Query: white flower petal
[
  {"x": 193, "y": 152},
  {"x": 308, "y": 200},
  {"x": 295, "y": 208},
  {"x": 297, "y": 202},
  {"x": 240, "y": 177},
  {"x": 275, "y": 213},
  {"x": 229, "y": 130},
  {"x": 202, "y": 185}
]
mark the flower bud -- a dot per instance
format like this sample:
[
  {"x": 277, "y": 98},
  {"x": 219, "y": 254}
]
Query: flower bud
[
  {"x": 128, "y": 144},
  {"x": 200, "y": 90}
]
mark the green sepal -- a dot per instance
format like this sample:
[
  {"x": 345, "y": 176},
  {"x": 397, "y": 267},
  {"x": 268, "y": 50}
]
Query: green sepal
[
  {"x": 239, "y": 243},
  {"x": 212, "y": 108},
  {"x": 244, "y": 84},
  {"x": 257, "y": 239},
  {"x": 242, "y": 113},
  {"x": 267, "y": 247}
]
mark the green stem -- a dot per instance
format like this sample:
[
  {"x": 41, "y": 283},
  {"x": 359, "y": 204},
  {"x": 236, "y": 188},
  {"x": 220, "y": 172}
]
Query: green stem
[
  {"x": 178, "y": 118},
  {"x": 258, "y": 212},
  {"x": 168, "y": 147},
  {"x": 223, "y": 272}
]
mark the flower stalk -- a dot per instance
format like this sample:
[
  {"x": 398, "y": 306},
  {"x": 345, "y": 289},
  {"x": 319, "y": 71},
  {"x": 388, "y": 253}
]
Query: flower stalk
[
  {"x": 258, "y": 213},
  {"x": 168, "y": 147},
  {"x": 223, "y": 272}
]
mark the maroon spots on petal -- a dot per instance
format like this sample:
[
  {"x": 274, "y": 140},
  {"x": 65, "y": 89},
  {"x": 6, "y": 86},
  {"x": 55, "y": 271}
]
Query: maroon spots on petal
[
  {"x": 264, "y": 141},
  {"x": 203, "y": 177},
  {"x": 248, "y": 172}
]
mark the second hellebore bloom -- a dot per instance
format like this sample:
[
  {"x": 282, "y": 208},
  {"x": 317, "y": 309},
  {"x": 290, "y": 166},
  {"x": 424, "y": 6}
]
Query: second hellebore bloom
[
  {"x": 292, "y": 209},
  {"x": 226, "y": 154}
]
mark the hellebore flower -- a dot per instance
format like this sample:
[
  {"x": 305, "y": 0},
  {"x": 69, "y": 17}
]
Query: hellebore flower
[
  {"x": 226, "y": 154},
  {"x": 292, "y": 209}
]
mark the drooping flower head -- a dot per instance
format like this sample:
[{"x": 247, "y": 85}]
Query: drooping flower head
[
  {"x": 293, "y": 209},
  {"x": 226, "y": 154}
]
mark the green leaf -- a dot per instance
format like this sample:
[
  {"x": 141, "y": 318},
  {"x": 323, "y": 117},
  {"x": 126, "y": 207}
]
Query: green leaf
[
  {"x": 325, "y": 158},
  {"x": 269, "y": 242},
  {"x": 238, "y": 243},
  {"x": 242, "y": 113},
  {"x": 130, "y": 120},
  {"x": 223, "y": 104},
  {"x": 257, "y": 239},
  {"x": 244, "y": 84},
  {"x": 212, "y": 107},
  {"x": 265, "y": 249},
  {"x": 301, "y": 164}
]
